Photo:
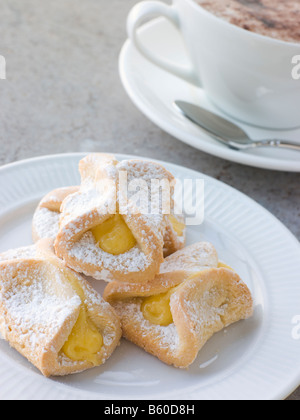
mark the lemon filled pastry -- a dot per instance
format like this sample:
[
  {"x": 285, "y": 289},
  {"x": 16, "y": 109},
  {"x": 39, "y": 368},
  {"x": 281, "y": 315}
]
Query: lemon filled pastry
[
  {"x": 193, "y": 297},
  {"x": 46, "y": 221},
  {"x": 45, "y": 224},
  {"x": 51, "y": 315},
  {"x": 114, "y": 228}
]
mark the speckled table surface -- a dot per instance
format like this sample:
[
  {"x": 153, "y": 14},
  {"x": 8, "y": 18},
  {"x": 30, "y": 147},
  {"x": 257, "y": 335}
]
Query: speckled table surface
[{"x": 63, "y": 94}]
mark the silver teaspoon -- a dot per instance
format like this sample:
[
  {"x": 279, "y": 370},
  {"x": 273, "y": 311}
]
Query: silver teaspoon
[{"x": 226, "y": 132}]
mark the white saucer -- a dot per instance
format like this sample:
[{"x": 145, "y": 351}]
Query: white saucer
[
  {"x": 253, "y": 359},
  {"x": 153, "y": 91}
]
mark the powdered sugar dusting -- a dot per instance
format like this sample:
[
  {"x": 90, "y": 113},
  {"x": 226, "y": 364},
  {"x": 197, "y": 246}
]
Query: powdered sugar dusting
[
  {"x": 87, "y": 250},
  {"x": 194, "y": 258},
  {"x": 36, "y": 314},
  {"x": 130, "y": 311},
  {"x": 24, "y": 252},
  {"x": 206, "y": 312},
  {"x": 148, "y": 183},
  {"x": 46, "y": 223}
]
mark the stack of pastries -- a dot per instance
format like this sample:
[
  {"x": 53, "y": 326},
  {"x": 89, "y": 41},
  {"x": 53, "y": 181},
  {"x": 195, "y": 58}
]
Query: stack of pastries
[{"x": 165, "y": 297}]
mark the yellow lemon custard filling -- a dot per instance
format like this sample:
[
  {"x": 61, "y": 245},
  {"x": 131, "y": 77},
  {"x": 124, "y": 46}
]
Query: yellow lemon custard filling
[
  {"x": 85, "y": 341},
  {"x": 222, "y": 265},
  {"x": 178, "y": 226},
  {"x": 157, "y": 310},
  {"x": 114, "y": 236}
]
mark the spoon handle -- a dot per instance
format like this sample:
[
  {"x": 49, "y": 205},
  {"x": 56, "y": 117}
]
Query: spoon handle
[{"x": 278, "y": 143}]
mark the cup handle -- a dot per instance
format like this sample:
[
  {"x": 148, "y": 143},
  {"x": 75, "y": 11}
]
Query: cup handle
[{"x": 148, "y": 10}]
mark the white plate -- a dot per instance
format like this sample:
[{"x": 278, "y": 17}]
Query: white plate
[
  {"x": 153, "y": 91},
  {"x": 254, "y": 359}
]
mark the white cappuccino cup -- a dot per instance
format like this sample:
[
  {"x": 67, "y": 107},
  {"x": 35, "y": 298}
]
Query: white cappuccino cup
[{"x": 251, "y": 77}]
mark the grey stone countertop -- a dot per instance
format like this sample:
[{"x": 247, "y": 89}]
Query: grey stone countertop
[{"x": 63, "y": 94}]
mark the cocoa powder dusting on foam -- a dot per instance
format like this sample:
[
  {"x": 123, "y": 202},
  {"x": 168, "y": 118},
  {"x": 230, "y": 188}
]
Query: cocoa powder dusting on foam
[{"x": 274, "y": 18}]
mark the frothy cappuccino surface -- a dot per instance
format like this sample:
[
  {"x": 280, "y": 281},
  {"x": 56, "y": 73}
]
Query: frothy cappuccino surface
[{"x": 278, "y": 19}]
